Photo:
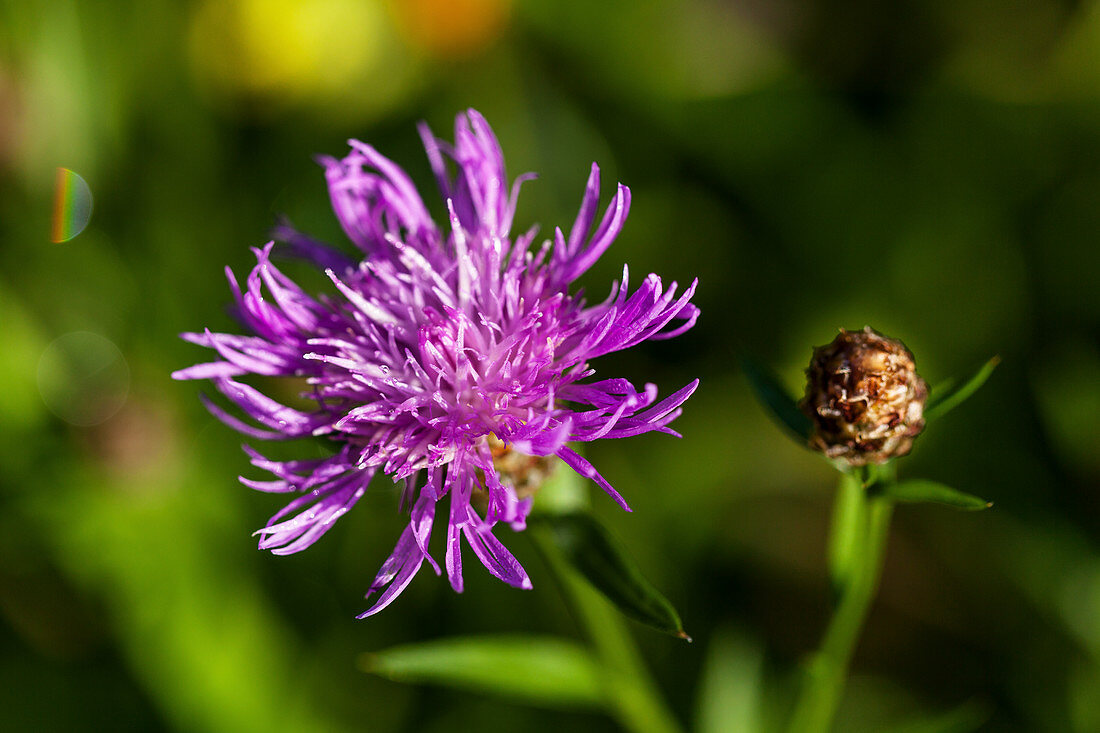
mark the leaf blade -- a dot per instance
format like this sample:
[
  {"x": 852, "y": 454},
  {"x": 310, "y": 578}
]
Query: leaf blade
[
  {"x": 944, "y": 400},
  {"x": 923, "y": 491},
  {"x": 538, "y": 670},
  {"x": 773, "y": 395},
  {"x": 592, "y": 550}
]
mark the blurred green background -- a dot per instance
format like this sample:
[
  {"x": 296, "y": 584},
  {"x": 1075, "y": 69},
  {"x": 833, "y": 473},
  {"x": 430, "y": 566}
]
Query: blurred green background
[{"x": 929, "y": 168}]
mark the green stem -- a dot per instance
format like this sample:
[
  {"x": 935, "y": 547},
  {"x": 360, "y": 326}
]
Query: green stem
[
  {"x": 846, "y": 535},
  {"x": 634, "y": 698},
  {"x": 828, "y": 669}
]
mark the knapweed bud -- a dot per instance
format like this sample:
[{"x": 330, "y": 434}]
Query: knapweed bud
[{"x": 864, "y": 397}]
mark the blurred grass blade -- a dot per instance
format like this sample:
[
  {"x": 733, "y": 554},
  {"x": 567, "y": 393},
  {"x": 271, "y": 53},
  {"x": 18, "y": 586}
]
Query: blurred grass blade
[
  {"x": 966, "y": 718},
  {"x": 770, "y": 391},
  {"x": 591, "y": 549},
  {"x": 731, "y": 689},
  {"x": 922, "y": 491},
  {"x": 538, "y": 670},
  {"x": 947, "y": 398},
  {"x": 634, "y": 699}
]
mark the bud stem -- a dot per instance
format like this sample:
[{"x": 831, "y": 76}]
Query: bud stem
[
  {"x": 860, "y": 540},
  {"x": 846, "y": 533}
]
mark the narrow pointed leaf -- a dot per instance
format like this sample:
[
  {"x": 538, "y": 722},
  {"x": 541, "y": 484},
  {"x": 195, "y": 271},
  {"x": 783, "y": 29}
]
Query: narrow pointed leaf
[
  {"x": 537, "y": 670},
  {"x": 921, "y": 491},
  {"x": 770, "y": 391},
  {"x": 948, "y": 397},
  {"x": 591, "y": 549}
]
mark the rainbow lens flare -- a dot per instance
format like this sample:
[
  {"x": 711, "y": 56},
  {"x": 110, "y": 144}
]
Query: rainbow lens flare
[{"x": 72, "y": 206}]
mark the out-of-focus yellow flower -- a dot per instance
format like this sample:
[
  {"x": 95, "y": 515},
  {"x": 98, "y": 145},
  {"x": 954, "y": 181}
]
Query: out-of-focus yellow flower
[{"x": 283, "y": 50}]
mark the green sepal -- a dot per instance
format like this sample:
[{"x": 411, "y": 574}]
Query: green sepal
[
  {"x": 922, "y": 491},
  {"x": 773, "y": 395},
  {"x": 601, "y": 559},
  {"x": 947, "y": 396},
  {"x": 544, "y": 671}
]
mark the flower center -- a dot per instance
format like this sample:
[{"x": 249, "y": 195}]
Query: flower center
[{"x": 525, "y": 474}]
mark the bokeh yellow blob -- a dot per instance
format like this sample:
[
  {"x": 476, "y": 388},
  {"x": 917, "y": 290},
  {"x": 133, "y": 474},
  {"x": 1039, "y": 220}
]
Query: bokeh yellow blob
[{"x": 287, "y": 49}]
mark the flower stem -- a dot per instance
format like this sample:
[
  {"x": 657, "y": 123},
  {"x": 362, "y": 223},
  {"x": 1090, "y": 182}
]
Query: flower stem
[
  {"x": 633, "y": 696},
  {"x": 828, "y": 669}
]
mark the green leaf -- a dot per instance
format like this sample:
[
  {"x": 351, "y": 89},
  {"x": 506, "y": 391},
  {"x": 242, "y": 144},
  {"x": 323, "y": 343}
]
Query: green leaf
[
  {"x": 591, "y": 549},
  {"x": 770, "y": 391},
  {"x": 538, "y": 670},
  {"x": 922, "y": 491},
  {"x": 947, "y": 397}
]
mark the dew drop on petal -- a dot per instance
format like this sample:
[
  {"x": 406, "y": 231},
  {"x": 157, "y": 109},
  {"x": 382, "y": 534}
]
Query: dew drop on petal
[{"x": 72, "y": 206}]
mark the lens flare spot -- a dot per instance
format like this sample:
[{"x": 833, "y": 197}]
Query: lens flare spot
[
  {"x": 72, "y": 205},
  {"x": 83, "y": 378}
]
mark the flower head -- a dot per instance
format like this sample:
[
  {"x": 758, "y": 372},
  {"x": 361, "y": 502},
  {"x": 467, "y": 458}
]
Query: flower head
[
  {"x": 441, "y": 357},
  {"x": 864, "y": 397}
]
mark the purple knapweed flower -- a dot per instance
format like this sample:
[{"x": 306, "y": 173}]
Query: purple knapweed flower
[{"x": 440, "y": 351}]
